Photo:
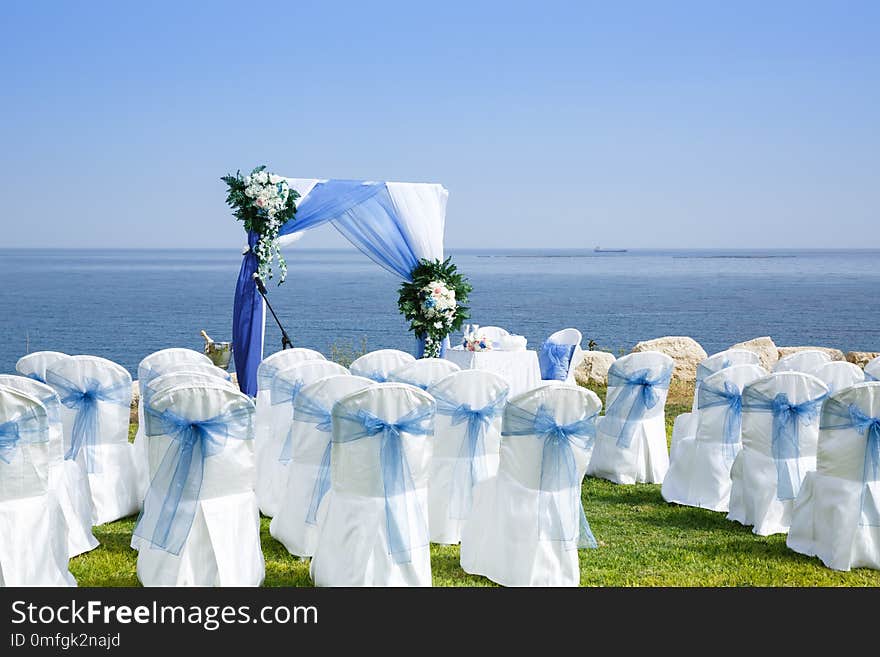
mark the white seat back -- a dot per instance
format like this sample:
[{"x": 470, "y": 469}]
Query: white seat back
[
  {"x": 653, "y": 364},
  {"x": 806, "y": 361},
  {"x": 192, "y": 376},
  {"x": 843, "y": 451},
  {"x": 378, "y": 365},
  {"x": 493, "y": 332},
  {"x": 872, "y": 370},
  {"x": 167, "y": 360},
  {"x": 719, "y": 404},
  {"x": 34, "y": 365},
  {"x": 839, "y": 374},
  {"x": 47, "y": 396},
  {"x": 24, "y": 445},
  {"x": 721, "y": 360},
  {"x": 281, "y": 360},
  {"x": 424, "y": 372}
]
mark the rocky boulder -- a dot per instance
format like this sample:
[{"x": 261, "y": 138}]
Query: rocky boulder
[
  {"x": 862, "y": 358},
  {"x": 686, "y": 352},
  {"x": 766, "y": 349},
  {"x": 593, "y": 369},
  {"x": 834, "y": 354}
]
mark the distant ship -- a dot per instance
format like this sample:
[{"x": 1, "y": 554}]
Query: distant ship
[{"x": 599, "y": 249}]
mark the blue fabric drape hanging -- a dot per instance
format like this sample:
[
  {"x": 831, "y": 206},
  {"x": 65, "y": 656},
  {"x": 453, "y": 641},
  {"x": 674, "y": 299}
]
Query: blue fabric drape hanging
[{"x": 364, "y": 213}]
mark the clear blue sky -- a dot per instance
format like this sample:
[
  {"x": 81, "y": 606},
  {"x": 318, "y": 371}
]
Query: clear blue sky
[{"x": 639, "y": 124}]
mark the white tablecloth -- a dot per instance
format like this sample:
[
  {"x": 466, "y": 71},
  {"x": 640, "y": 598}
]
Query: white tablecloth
[{"x": 519, "y": 368}]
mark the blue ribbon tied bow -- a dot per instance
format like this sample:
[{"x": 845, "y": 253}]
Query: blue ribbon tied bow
[
  {"x": 403, "y": 520},
  {"x": 785, "y": 446},
  {"x": 85, "y": 400},
  {"x": 837, "y": 415},
  {"x": 561, "y": 514},
  {"x": 640, "y": 391},
  {"x": 729, "y": 396},
  {"x": 470, "y": 466},
  {"x": 309, "y": 410},
  {"x": 172, "y": 498},
  {"x": 26, "y": 427}
]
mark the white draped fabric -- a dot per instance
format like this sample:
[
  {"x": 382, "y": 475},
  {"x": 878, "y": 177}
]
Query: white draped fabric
[
  {"x": 271, "y": 468},
  {"x": 756, "y": 493},
  {"x": 802, "y": 361},
  {"x": 502, "y": 538},
  {"x": 835, "y": 516},
  {"x": 872, "y": 370},
  {"x": 452, "y": 463},
  {"x": 519, "y": 368},
  {"x": 34, "y": 365},
  {"x": 378, "y": 365},
  {"x": 699, "y": 470},
  {"x": 839, "y": 374},
  {"x": 294, "y": 524},
  {"x": 102, "y": 424},
  {"x": 223, "y": 544},
  {"x": 353, "y": 546},
  {"x": 423, "y": 372},
  {"x": 33, "y": 532}
]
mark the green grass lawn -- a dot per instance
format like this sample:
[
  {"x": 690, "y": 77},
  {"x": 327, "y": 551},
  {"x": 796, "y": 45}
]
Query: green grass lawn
[{"x": 643, "y": 541}]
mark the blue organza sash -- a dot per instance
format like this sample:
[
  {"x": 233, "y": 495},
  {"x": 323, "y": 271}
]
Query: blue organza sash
[
  {"x": 85, "y": 400},
  {"x": 837, "y": 415},
  {"x": 35, "y": 377},
  {"x": 470, "y": 466},
  {"x": 377, "y": 375},
  {"x": 402, "y": 519},
  {"x": 703, "y": 371},
  {"x": 26, "y": 428},
  {"x": 785, "y": 446},
  {"x": 172, "y": 498},
  {"x": 554, "y": 360},
  {"x": 309, "y": 410},
  {"x": 639, "y": 392},
  {"x": 265, "y": 375},
  {"x": 561, "y": 514},
  {"x": 285, "y": 391},
  {"x": 728, "y": 396}
]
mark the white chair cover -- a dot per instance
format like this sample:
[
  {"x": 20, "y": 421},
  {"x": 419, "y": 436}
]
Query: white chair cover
[
  {"x": 806, "y": 361},
  {"x": 493, "y": 332},
  {"x": 378, "y": 365},
  {"x": 570, "y": 336},
  {"x": 195, "y": 374},
  {"x": 266, "y": 371},
  {"x": 96, "y": 401},
  {"x": 67, "y": 480},
  {"x": 527, "y": 522},
  {"x": 780, "y": 427},
  {"x": 424, "y": 372},
  {"x": 151, "y": 368},
  {"x": 839, "y": 374},
  {"x": 308, "y": 471},
  {"x": 467, "y": 442},
  {"x": 872, "y": 370},
  {"x": 699, "y": 469},
  {"x": 836, "y": 515},
  {"x": 630, "y": 443},
  {"x": 33, "y": 533},
  {"x": 271, "y": 459},
  {"x": 373, "y": 522},
  {"x": 34, "y": 365},
  {"x": 200, "y": 442}
]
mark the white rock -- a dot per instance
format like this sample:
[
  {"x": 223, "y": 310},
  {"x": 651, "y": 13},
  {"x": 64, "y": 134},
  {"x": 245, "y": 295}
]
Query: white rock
[
  {"x": 766, "y": 349},
  {"x": 594, "y": 368},
  {"x": 835, "y": 354},
  {"x": 686, "y": 352},
  {"x": 862, "y": 358}
]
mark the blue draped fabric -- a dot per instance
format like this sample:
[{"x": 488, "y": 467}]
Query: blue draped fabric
[
  {"x": 308, "y": 410},
  {"x": 730, "y": 397},
  {"x": 172, "y": 498},
  {"x": 554, "y": 359},
  {"x": 285, "y": 391},
  {"x": 421, "y": 342},
  {"x": 704, "y": 371},
  {"x": 84, "y": 399},
  {"x": 836, "y": 415},
  {"x": 785, "y": 446},
  {"x": 27, "y": 427},
  {"x": 362, "y": 211},
  {"x": 396, "y": 476},
  {"x": 35, "y": 377},
  {"x": 470, "y": 466},
  {"x": 561, "y": 514},
  {"x": 639, "y": 392}
]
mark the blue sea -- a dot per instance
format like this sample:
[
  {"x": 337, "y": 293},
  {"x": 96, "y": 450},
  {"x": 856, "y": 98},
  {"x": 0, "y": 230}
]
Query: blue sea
[{"x": 125, "y": 304}]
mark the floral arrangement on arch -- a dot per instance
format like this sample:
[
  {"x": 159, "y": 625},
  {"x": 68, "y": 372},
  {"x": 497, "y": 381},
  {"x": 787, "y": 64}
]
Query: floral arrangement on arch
[
  {"x": 264, "y": 202},
  {"x": 434, "y": 302}
]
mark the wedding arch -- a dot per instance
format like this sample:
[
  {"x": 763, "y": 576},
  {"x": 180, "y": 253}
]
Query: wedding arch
[{"x": 395, "y": 224}]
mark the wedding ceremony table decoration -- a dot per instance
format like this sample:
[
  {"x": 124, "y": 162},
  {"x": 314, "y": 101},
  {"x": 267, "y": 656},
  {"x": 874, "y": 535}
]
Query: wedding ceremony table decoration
[{"x": 519, "y": 368}]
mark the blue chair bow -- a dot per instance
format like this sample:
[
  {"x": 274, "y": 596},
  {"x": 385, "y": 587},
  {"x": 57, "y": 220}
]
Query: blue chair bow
[
  {"x": 470, "y": 466},
  {"x": 309, "y": 410},
  {"x": 729, "y": 396},
  {"x": 785, "y": 447},
  {"x": 285, "y": 391},
  {"x": 837, "y": 415},
  {"x": 561, "y": 514},
  {"x": 36, "y": 377},
  {"x": 172, "y": 498},
  {"x": 85, "y": 400},
  {"x": 27, "y": 427},
  {"x": 396, "y": 476},
  {"x": 639, "y": 392}
]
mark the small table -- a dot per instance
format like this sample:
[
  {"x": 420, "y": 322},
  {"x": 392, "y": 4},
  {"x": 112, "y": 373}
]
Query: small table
[{"x": 519, "y": 368}]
